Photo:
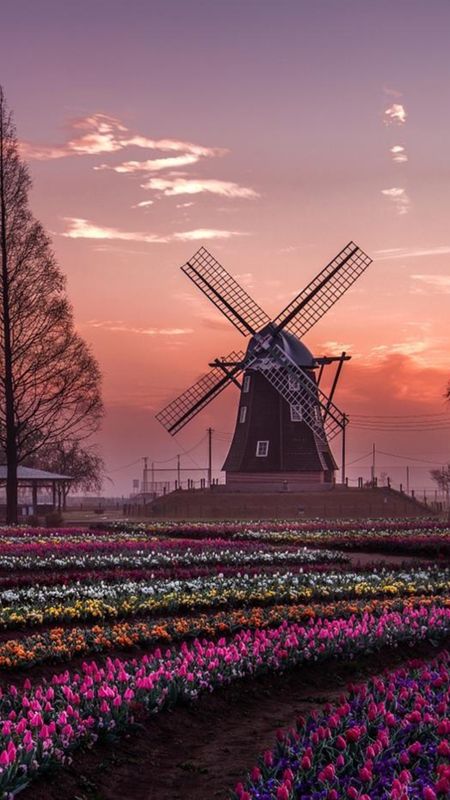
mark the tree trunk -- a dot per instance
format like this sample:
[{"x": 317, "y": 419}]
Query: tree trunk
[
  {"x": 11, "y": 441},
  {"x": 65, "y": 490}
]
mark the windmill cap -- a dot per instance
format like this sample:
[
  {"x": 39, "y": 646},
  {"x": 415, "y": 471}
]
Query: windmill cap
[{"x": 291, "y": 345}]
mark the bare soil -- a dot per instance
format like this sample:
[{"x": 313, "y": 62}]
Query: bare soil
[{"x": 200, "y": 752}]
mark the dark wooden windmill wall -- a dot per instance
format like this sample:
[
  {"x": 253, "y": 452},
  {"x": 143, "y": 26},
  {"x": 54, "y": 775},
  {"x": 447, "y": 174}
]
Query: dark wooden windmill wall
[{"x": 294, "y": 455}]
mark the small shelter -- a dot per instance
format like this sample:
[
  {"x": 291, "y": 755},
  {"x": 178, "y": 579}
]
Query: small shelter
[{"x": 35, "y": 479}]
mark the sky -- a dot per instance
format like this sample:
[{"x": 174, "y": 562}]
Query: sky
[{"x": 272, "y": 133}]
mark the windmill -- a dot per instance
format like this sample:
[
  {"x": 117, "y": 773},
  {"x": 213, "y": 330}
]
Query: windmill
[{"x": 285, "y": 421}]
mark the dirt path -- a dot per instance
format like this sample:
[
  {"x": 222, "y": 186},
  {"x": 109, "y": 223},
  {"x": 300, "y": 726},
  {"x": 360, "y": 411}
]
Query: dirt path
[{"x": 200, "y": 752}]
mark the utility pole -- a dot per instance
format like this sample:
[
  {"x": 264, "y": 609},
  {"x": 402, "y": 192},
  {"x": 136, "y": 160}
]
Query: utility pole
[
  {"x": 153, "y": 477},
  {"x": 145, "y": 475},
  {"x": 407, "y": 480},
  {"x": 210, "y": 432},
  {"x": 373, "y": 465},
  {"x": 345, "y": 420},
  {"x": 178, "y": 472}
]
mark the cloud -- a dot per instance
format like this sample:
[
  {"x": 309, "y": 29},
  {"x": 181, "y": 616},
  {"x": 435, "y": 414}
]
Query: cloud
[
  {"x": 336, "y": 348},
  {"x": 205, "y": 233},
  {"x": 143, "y": 204},
  {"x": 399, "y": 154},
  {"x": 399, "y": 198},
  {"x": 395, "y": 383},
  {"x": 153, "y": 164},
  {"x": 441, "y": 283},
  {"x": 395, "y": 114},
  {"x": 412, "y": 252},
  {"x": 83, "y": 229},
  {"x": 424, "y": 350},
  {"x": 101, "y": 133},
  {"x": 121, "y": 327},
  {"x": 179, "y": 186}
]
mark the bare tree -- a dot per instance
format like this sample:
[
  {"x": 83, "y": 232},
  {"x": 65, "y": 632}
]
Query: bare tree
[
  {"x": 442, "y": 478},
  {"x": 83, "y": 464},
  {"x": 49, "y": 380}
]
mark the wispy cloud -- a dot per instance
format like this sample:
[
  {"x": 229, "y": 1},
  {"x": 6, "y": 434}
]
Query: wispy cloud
[
  {"x": 83, "y": 229},
  {"x": 119, "y": 326},
  {"x": 179, "y": 186},
  {"x": 153, "y": 164},
  {"x": 399, "y": 198},
  {"x": 101, "y": 133},
  {"x": 335, "y": 347},
  {"x": 408, "y": 348},
  {"x": 412, "y": 252},
  {"x": 395, "y": 114},
  {"x": 440, "y": 283},
  {"x": 78, "y": 228},
  {"x": 143, "y": 204},
  {"x": 204, "y": 233},
  {"x": 399, "y": 154}
]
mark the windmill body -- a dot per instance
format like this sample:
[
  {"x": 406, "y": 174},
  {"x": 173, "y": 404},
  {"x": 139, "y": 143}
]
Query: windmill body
[
  {"x": 285, "y": 421},
  {"x": 273, "y": 448}
]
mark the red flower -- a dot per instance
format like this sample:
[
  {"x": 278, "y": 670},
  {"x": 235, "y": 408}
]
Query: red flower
[
  {"x": 282, "y": 793},
  {"x": 415, "y": 749},
  {"x": 444, "y": 748},
  {"x": 352, "y": 734}
]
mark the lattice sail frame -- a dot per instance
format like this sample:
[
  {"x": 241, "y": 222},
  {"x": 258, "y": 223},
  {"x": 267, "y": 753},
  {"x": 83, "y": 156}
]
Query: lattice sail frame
[
  {"x": 298, "y": 389},
  {"x": 248, "y": 317},
  {"x": 225, "y": 292},
  {"x": 324, "y": 290},
  {"x": 181, "y": 410}
]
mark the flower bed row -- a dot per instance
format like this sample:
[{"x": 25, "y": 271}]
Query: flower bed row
[
  {"x": 408, "y": 543},
  {"x": 62, "y": 644},
  {"x": 57, "y": 558},
  {"x": 389, "y": 738},
  {"x": 41, "y": 724},
  {"x": 226, "y": 529},
  {"x": 14, "y": 579},
  {"x": 36, "y": 605}
]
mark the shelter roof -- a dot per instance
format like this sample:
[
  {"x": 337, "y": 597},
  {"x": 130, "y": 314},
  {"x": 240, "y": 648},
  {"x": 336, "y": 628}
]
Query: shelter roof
[{"x": 31, "y": 474}]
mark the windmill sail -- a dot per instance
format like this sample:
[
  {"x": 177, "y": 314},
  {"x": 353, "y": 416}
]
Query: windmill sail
[
  {"x": 302, "y": 392},
  {"x": 323, "y": 292},
  {"x": 225, "y": 292},
  {"x": 181, "y": 410}
]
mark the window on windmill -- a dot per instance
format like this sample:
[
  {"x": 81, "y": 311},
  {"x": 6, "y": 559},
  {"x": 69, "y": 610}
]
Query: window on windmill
[
  {"x": 296, "y": 413},
  {"x": 262, "y": 448},
  {"x": 246, "y": 387},
  {"x": 242, "y": 413}
]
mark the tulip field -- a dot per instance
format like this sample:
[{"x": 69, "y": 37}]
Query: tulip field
[{"x": 102, "y": 629}]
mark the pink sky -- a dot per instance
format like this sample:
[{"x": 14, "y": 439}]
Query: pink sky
[{"x": 273, "y": 133}]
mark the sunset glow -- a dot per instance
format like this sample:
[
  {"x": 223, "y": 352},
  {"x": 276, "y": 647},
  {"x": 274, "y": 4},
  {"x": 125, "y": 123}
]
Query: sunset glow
[{"x": 273, "y": 133}]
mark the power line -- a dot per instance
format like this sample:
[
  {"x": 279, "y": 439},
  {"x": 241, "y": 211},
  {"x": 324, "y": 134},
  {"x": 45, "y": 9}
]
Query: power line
[
  {"x": 124, "y": 466},
  {"x": 400, "y": 416},
  {"x": 407, "y": 458}
]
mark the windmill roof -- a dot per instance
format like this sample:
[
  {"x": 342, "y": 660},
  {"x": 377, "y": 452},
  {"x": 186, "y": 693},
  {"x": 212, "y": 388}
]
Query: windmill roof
[{"x": 31, "y": 474}]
